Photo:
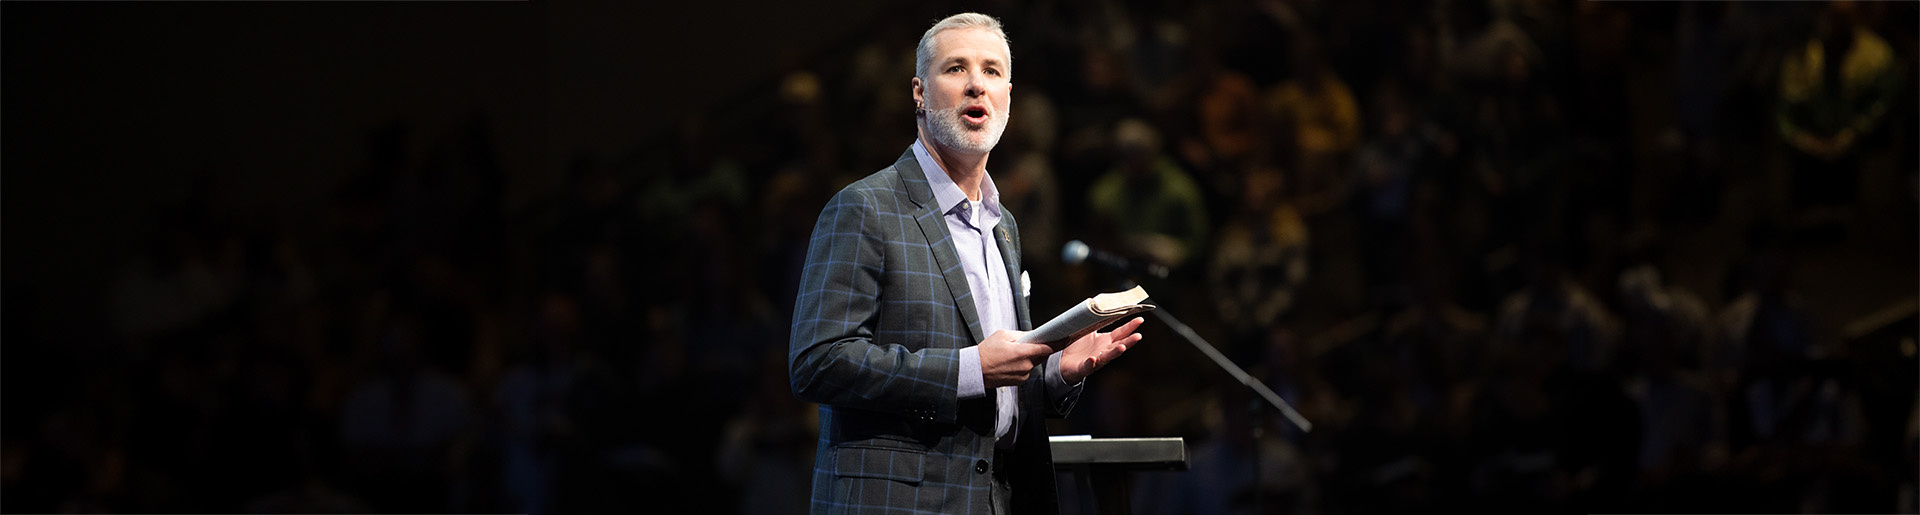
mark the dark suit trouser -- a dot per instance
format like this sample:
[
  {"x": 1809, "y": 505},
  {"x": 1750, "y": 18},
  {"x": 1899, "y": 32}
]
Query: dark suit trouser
[{"x": 1002, "y": 493}]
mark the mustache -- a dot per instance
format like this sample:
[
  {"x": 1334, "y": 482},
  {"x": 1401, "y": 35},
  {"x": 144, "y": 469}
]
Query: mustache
[
  {"x": 957, "y": 110},
  {"x": 957, "y": 114}
]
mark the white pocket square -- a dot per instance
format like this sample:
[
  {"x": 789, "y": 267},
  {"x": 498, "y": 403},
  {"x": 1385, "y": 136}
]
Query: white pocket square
[{"x": 1026, "y": 284}]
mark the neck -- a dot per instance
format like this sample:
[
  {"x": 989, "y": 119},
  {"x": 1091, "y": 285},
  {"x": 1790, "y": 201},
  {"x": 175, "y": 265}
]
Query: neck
[{"x": 966, "y": 169}]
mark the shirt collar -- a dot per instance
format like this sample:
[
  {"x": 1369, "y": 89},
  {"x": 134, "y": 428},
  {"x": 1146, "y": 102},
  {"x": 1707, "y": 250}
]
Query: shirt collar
[{"x": 948, "y": 194}]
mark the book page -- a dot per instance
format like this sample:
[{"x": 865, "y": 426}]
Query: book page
[{"x": 1110, "y": 303}]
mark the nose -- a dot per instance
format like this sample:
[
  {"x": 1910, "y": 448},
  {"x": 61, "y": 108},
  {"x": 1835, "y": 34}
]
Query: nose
[{"x": 976, "y": 84}]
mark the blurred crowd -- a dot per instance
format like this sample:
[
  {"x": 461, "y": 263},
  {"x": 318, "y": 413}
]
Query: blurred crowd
[{"x": 1508, "y": 255}]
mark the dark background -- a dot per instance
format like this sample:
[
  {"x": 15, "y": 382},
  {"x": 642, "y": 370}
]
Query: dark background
[{"x": 539, "y": 257}]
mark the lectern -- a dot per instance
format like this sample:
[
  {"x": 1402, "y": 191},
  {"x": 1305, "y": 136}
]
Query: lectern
[{"x": 1100, "y": 467}]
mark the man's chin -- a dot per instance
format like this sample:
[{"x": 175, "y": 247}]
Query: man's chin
[
  {"x": 967, "y": 143},
  {"x": 965, "y": 137}
]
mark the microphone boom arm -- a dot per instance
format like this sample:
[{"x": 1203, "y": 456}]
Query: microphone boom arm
[{"x": 1234, "y": 370}]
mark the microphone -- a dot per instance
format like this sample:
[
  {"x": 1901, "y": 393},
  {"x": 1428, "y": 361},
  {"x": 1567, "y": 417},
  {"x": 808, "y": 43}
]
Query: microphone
[{"x": 1075, "y": 252}]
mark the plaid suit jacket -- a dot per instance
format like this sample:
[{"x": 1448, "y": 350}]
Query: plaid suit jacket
[{"x": 882, "y": 313}]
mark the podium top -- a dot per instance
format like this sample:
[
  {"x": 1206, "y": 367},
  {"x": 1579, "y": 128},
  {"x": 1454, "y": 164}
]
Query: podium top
[{"x": 1130, "y": 453}]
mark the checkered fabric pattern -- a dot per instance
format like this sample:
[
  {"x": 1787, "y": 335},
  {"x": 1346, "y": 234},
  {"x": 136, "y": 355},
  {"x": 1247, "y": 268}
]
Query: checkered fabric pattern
[{"x": 882, "y": 313}]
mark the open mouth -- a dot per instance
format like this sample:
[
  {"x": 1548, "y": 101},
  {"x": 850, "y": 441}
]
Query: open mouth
[{"x": 974, "y": 115}]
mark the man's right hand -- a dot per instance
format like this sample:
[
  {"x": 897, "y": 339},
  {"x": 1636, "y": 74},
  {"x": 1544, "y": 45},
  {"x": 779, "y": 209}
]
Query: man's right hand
[{"x": 1006, "y": 362}]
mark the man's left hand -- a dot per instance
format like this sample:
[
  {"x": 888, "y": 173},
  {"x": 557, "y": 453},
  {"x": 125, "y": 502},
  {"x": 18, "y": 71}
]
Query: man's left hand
[{"x": 1096, "y": 349}]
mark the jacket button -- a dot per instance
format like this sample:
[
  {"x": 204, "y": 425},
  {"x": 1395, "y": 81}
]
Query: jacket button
[{"x": 980, "y": 466}]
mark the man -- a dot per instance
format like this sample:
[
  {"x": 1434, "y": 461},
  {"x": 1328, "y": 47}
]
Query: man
[{"x": 905, "y": 327}]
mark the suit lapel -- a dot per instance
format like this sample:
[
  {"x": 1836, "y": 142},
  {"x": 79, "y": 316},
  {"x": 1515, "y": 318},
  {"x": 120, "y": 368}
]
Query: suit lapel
[
  {"x": 1008, "y": 235},
  {"x": 933, "y": 225}
]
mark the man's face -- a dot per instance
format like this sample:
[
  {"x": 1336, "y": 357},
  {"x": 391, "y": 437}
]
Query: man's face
[{"x": 966, "y": 90}]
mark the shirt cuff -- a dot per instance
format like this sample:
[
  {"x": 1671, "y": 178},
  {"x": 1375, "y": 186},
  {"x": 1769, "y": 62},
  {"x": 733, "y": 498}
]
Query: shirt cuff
[
  {"x": 1056, "y": 381},
  {"x": 973, "y": 383}
]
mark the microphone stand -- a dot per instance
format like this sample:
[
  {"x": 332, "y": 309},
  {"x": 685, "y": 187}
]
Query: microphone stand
[
  {"x": 1259, "y": 490},
  {"x": 1075, "y": 255},
  {"x": 1234, "y": 370}
]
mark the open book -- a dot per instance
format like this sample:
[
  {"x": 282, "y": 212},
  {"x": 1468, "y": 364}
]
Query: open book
[{"x": 1088, "y": 316}]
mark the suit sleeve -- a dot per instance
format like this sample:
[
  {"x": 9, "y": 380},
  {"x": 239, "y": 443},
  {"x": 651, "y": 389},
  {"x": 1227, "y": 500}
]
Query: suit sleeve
[
  {"x": 1060, "y": 396},
  {"x": 832, "y": 356}
]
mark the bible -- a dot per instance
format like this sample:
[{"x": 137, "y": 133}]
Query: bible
[{"x": 1088, "y": 316}]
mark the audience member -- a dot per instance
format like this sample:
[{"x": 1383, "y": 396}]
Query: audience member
[{"x": 1147, "y": 202}]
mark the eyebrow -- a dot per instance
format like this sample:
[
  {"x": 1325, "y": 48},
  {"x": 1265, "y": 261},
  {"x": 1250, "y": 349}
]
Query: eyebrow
[{"x": 983, "y": 62}]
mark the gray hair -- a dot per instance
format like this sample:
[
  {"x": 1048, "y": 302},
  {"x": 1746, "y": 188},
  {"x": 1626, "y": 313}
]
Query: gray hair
[{"x": 958, "y": 21}]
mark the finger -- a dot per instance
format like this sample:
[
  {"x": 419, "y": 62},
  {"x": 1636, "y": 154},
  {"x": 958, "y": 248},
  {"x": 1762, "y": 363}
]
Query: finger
[
  {"x": 1032, "y": 350},
  {"x": 1120, "y": 345},
  {"x": 1127, "y": 328}
]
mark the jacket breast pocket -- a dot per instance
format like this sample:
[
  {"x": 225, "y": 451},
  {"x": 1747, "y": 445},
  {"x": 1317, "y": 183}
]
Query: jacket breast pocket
[{"x": 877, "y": 462}]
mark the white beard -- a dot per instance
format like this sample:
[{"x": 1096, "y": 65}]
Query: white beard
[{"x": 945, "y": 126}]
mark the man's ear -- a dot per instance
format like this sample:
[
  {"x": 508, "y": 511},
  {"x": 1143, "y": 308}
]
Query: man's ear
[{"x": 919, "y": 92}]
